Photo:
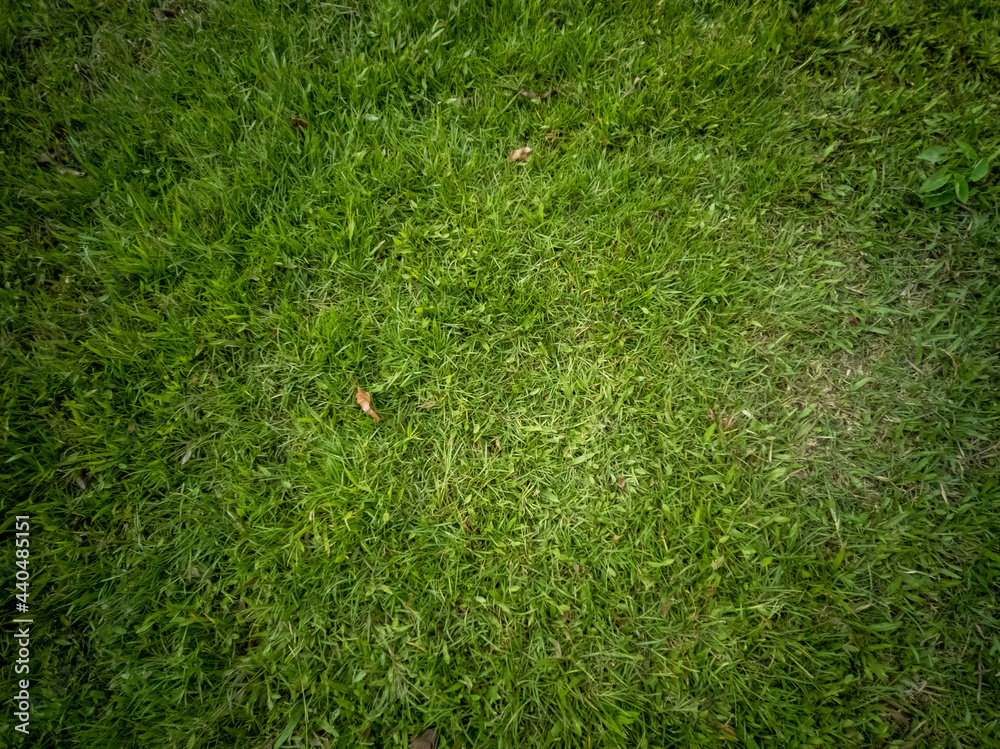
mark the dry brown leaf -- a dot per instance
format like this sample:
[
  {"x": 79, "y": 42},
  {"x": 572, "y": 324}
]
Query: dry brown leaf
[
  {"x": 895, "y": 715},
  {"x": 44, "y": 158},
  {"x": 635, "y": 83},
  {"x": 728, "y": 422},
  {"x": 426, "y": 740},
  {"x": 520, "y": 154},
  {"x": 531, "y": 94},
  {"x": 299, "y": 126},
  {"x": 557, "y": 649},
  {"x": 428, "y": 404},
  {"x": 711, "y": 414},
  {"x": 621, "y": 482},
  {"x": 364, "y": 400}
]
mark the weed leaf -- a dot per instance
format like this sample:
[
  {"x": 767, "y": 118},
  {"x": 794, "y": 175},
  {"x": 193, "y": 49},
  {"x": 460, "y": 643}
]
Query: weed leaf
[
  {"x": 934, "y": 154},
  {"x": 969, "y": 151},
  {"x": 939, "y": 179},
  {"x": 961, "y": 188},
  {"x": 979, "y": 170}
]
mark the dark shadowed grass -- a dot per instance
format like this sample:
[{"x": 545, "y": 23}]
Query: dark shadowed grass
[{"x": 690, "y": 423}]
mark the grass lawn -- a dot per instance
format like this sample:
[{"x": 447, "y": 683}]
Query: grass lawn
[{"x": 690, "y": 422}]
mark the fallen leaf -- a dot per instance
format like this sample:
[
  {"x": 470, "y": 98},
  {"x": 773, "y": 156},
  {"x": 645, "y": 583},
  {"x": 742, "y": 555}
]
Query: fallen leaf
[
  {"x": 81, "y": 482},
  {"x": 426, "y": 740},
  {"x": 71, "y": 172},
  {"x": 621, "y": 482},
  {"x": 520, "y": 154},
  {"x": 532, "y": 95},
  {"x": 428, "y": 404},
  {"x": 711, "y": 414},
  {"x": 557, "y": 648},
  {"x": 895, "y": 715},
  {"x": 728, "y": 422},
  {"x": 299, "y": 126},
  {"x": 187, "y": 456},
  {"x": 44, "y": 158},
  {"x": 557, "y": 19},
  {"x": 365, "y": 401}
]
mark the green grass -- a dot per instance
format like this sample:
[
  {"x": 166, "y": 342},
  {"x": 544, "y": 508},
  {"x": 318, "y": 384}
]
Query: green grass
[{"x": 690, "y": 424}]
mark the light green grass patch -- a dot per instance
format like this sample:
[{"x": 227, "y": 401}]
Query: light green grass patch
[{"x": 690, "y": 422}]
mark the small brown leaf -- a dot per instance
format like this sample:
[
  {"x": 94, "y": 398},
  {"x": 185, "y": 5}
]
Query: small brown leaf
[
  {"x": 557, "y": 648},
  {"x": 364, "y": 400},
  {"x": 520, "y": 154},
  {"x": 711, "y": 414},
  {"x": 532, "y": 95},
  {"x": 895, "y": 715},
  {"x": 428, "y": 404},
  {"x": 621, "y": 482},
  {"x": 426, "y": 740},
  {"x": 728, "y": 422},
  {"x": 43, "y": 158},
  {"x": 299, "y": 126}
]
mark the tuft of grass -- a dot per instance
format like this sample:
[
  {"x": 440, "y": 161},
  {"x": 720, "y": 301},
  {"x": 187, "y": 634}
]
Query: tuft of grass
[{"x": 690, "y": 422}]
